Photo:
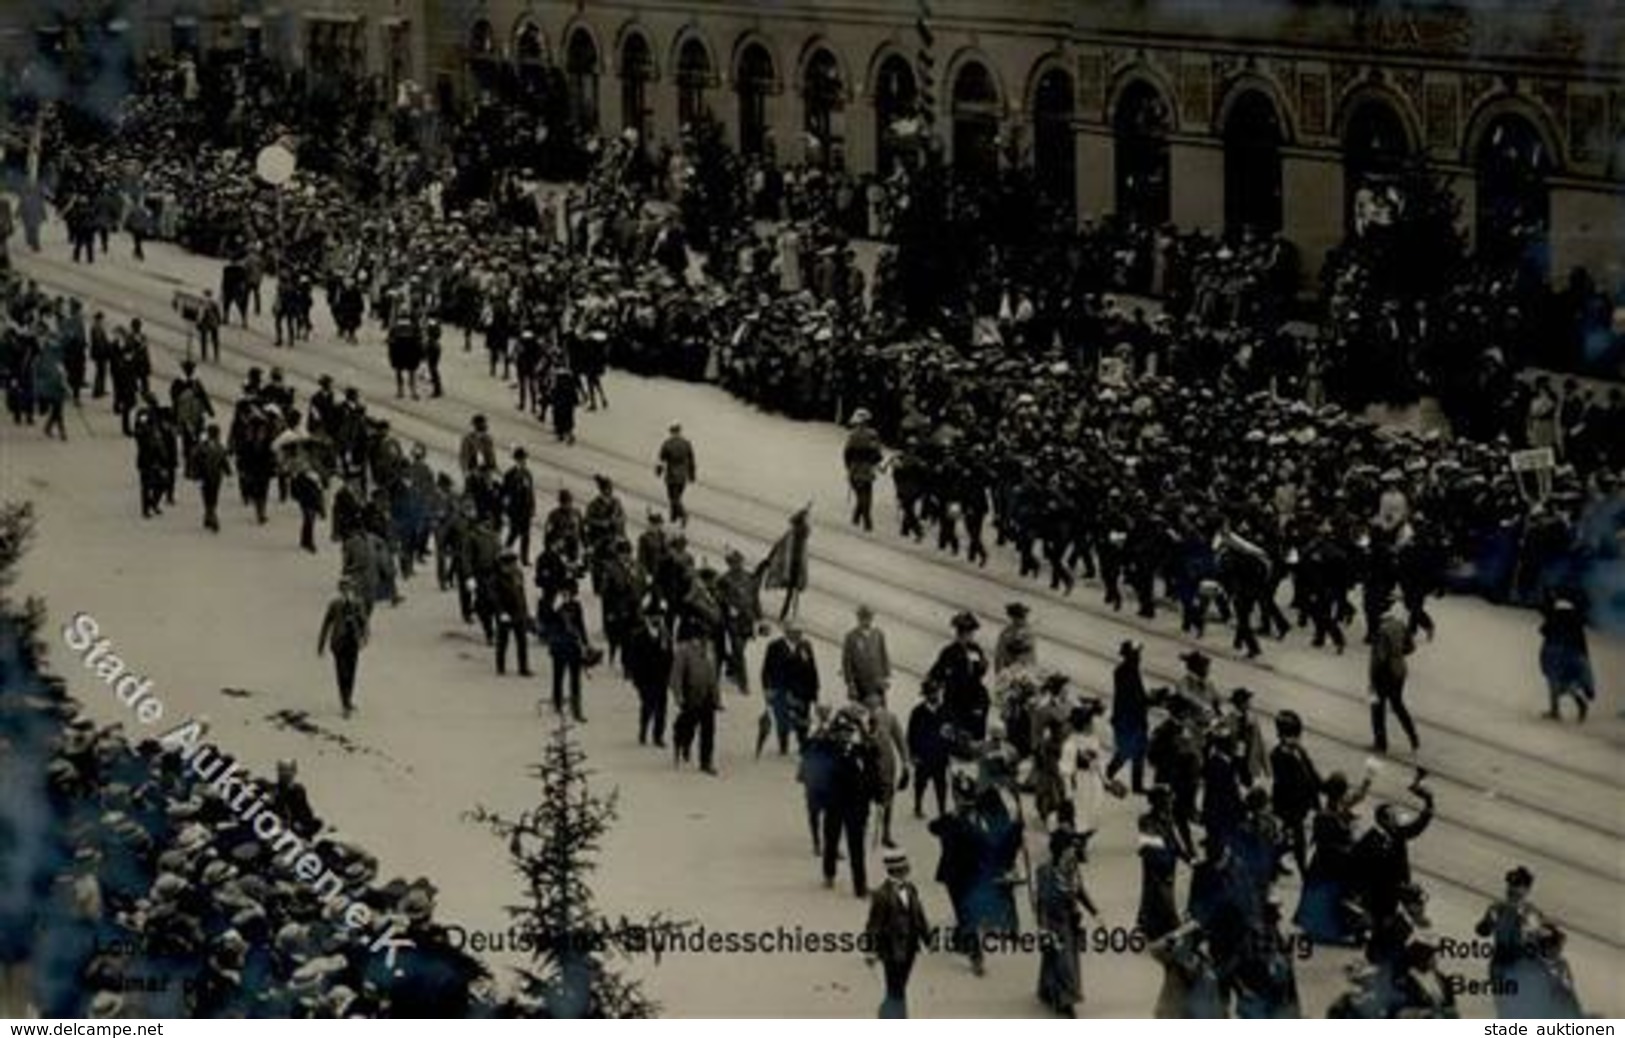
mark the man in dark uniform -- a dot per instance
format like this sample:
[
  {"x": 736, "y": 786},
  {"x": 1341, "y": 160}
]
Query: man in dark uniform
[
  {"x": 562, "y": 530},
  {"x": 512, "y": 613},
  {"x": 678, "y": 468},
  {"x": 519, "y": 504},
  {"x": 740, "y": 599},
  {"x": 896, "y": 931},
  {"x": 959, "y": 670},
  {"x": 862, "y": 456},
  {"x": 602, "y": 524},
  {"x": 481, "y": 550},
  {"x": 344, "y": 627},
  {"x": 211, "y": 465}
]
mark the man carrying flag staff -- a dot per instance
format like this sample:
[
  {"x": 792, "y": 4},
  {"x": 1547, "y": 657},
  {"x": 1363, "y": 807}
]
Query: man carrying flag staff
[{"x": 786, "y": 564}]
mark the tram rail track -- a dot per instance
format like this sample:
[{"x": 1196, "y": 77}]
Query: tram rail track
[{"x": 295, "y": 363}]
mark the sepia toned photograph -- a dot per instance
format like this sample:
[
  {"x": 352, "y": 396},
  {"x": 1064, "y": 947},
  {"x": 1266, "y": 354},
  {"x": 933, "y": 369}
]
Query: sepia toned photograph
[{"x": 797, "y": 509}]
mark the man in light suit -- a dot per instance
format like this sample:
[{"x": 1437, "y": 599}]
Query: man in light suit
[{"x": 865, "y": 664}]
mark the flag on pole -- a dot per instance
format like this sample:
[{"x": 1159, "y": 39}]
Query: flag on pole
[{"x": 786, "y": 564}]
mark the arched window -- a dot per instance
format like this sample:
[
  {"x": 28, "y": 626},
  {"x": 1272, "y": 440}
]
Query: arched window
[
  {"x": 897, "y": 96},
  {"x": 976, "y": 120},
  {"x": 693, "y": 77},
  {"x": 822, "y": 96},
  {"x": 1375, "y": 150},
  {"x": 1141, "y": 129},
  {"x": 530, "y": 55},
  {"x": 1252, "y": 164},
  {"x": 482, "y": 56},
  {"x": 1514, "y": 204},
  {"x": 1054, "y": 153},
  {"x": 754, "y": 82},
  {"x": 581, "y": 65},
  {"x": 636, "y": 69}
]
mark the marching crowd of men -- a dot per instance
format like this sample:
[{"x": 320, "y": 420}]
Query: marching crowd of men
[{"x": 1193, "y": 470}]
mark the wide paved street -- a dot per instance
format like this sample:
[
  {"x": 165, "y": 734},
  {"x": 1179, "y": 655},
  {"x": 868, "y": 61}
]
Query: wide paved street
[{"x": 226, "y": 627}]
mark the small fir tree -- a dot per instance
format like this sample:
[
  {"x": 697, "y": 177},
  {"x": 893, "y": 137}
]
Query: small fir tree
[{"x": 554, "y": 847}]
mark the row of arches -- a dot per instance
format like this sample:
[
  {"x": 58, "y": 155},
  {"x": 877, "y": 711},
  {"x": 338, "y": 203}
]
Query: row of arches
[{"x": 1512, "y": 156}]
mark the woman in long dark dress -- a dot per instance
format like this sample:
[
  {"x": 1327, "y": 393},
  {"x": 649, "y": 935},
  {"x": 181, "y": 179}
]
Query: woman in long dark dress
[
  {"x": 1326, "y": 910},
  {"x": 1060, "y": 902}
]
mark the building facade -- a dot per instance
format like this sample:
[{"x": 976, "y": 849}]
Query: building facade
[
  {"x": 381, "y": 39},
  {"x": 1274, "y": 113}
]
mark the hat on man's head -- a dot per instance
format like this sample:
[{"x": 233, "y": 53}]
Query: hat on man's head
[
  {"x": 966, "y": 622},
  {"x": 895, "y": 861},
  {"x": 1017, "y": 611},
  {"x": 1520, "y": 877}
]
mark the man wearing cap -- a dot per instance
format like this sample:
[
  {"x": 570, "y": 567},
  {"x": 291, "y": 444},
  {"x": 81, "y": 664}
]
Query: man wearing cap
[
  {"x": 862, "y": 455},
  {"x": 739, "y": 596},
  {"x": 895, "y": 932},
  {"x": 602, "y": 524},
  {"x": 676, "y": 465},
  {"x": 865, "y": 663},
  {"x": 960, "y": 669},
  {"x": 344, "y": 627},
  {"x": 519, "y": 504}
]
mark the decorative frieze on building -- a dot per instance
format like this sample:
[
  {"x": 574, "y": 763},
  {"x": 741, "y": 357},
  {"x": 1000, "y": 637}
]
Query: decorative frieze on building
[
  {"x": 1092, "y": 85},
  {"x": 1314, "y": 103},
  {"x": 1441, "y": 113},
  {"x": 1588, "y": 128},
  {"x": 1195, "y": 92}
]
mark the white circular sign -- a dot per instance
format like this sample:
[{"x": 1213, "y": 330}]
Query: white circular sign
[{"x": 275, "y": 165}]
